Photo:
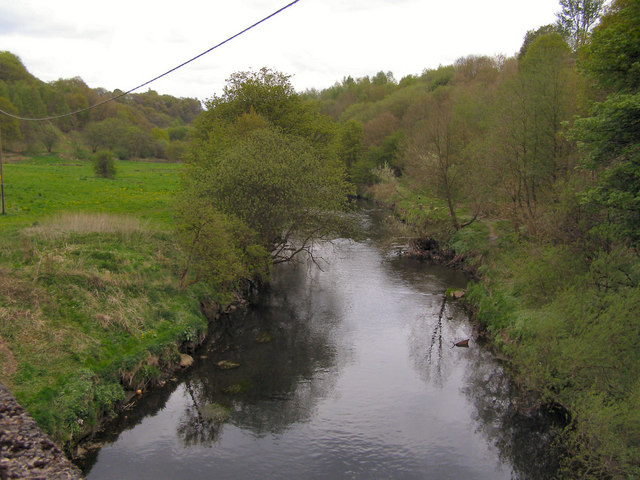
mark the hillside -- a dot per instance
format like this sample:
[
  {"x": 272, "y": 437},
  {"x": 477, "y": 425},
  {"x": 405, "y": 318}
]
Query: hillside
[{"x": 137, "y": 125}]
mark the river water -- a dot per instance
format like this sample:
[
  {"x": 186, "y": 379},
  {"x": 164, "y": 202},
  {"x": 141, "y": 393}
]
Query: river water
[{"x": 344, "y": 369}]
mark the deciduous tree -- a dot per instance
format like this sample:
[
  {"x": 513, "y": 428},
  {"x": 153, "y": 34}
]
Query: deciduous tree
[
  {"x": 610, "y": 138},
  {"x": 576, "y": 18},
  {"x": 264, "y": 157}
]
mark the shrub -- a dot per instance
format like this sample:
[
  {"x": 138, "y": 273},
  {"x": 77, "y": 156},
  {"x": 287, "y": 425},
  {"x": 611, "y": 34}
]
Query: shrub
[{"x": 104, "y": 164}]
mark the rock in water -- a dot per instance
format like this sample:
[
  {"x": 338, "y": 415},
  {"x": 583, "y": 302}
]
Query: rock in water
[
  {"x": 185, "y": 360},
  {"x": 226, "y": 365}
]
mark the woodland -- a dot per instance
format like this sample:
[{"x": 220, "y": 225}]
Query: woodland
[
  {"x": 526, "y": 167},
  {"x": 137, "y": 125}
]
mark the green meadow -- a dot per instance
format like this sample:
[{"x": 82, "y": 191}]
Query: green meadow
[
  {"x": 90, "y": 304},
  {"x": 42, "y": 186}
]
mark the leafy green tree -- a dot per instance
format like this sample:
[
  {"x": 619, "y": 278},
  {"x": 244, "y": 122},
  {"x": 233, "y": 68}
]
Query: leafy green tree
[
  {"x": 613, "y": 56},
  {"x": 263, "y": 156},
  {"x": 178, "y": 132},
  {"x": 9, "y": 127},
  {"x": 176, "y": 151},
  {"x": 74, "y": 102},
  {"x": 271, "y": 95},
  {"x": 266, "y": 92},
  {"x": 610, "y": 138},
  {"x": 532, "y": 35},
  {"x": 576, "y": 18},
  {"x": 26, "y": 97},
  {"x": 536, "y": 97},
  {"x": 351, "y": 143},
  {"x": 276, "y": 185},
  {"x": 221, "y": 250},
  {"x": 379, "y": 128},
  {"x": 435, "y": 150},
  {"x": 11, "y": 68},
  {"x": 107, "y": 134},
  {"x": 49, "y": 136},
  {"x": 137, "y": 143}
]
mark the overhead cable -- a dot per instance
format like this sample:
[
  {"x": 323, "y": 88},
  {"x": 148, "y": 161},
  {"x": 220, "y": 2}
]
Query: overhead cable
[{"x": 120, "y": 95}]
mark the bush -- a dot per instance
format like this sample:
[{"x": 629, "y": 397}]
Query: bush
[{"x": 104, "y": 164}]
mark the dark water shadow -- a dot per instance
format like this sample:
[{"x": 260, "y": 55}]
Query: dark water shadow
[{"x": 524, "y": 432}]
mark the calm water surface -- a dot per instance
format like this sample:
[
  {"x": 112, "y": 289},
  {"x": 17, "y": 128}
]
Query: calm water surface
[{"x": 345, "y": 371}]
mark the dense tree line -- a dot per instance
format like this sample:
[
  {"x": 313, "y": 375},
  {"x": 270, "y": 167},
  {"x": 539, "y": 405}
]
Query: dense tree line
[
  {"x": 144, "y": 125},
  {"x": 540, "y": 148}
]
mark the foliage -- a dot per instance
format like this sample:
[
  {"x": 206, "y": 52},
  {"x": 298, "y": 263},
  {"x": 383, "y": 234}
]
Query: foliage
[
  {"x": 613, "y": 54},
  {"x": 124, "y": 126},
  {"x": 435, "y": 150},
  {"x": 12, "y": 69},
  {"x": 611, "y": 142},
  {"x": 351, "y": 144},
  {"x": 569, "y": 329},
  {"x": 221, "y": 250},
  {"x": 263, "y": 157},
  {"x": 610, "y": 137},
  {"x": 533, "y": 35},
  {"x": 103, "y": 164},
  {"x": 50, "y": 137},
  {"x": 9, "y": 127},
  {"x": 576, "y": 17}
]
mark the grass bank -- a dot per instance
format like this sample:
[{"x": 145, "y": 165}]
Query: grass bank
[
  {"x": 566, "y": 315},
  {"x": 90, "y": 307}
]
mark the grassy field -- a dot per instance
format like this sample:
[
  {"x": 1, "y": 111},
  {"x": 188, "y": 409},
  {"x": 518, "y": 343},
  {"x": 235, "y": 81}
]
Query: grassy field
[
  {"x": 42, "y": 186},
  {"x": 90, "y": 305}
]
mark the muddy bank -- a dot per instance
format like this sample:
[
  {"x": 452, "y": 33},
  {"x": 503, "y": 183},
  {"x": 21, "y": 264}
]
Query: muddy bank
[{"x": 26, "y": 451}]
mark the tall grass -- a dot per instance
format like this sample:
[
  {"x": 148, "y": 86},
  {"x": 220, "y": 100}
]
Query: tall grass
[{"x": 103, "y": 223}]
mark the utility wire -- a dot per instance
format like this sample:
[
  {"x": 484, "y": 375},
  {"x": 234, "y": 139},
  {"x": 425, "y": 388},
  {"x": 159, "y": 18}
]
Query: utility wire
[{"x": 115, "y": 97}]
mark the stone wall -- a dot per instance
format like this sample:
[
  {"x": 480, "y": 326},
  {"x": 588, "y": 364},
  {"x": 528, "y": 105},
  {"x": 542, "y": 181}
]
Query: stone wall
[{"x": 26, "y": 451}]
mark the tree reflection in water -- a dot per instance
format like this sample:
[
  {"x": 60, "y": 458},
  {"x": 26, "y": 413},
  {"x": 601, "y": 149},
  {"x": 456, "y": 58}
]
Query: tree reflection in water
[
  {"x": 524, "y": 432},
  {"x": 431, "y": 338},
  {"x": 511, "y": 419},
  {"x": 279, "y": 353}
]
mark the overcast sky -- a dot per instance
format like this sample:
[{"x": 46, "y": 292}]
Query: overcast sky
[{"x": 123, "y": 43}]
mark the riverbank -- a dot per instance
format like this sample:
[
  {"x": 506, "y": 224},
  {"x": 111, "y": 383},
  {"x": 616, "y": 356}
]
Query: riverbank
[
  {"x": 565, "y": 318},
  {"x": 92, "y": 314}
]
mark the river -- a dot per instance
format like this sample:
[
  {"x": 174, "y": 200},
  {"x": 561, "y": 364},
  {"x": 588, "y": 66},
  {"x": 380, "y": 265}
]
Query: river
[{"x": 344, "y": 369}]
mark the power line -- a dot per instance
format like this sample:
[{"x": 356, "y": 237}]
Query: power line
[{"x": 115, "y": 97}]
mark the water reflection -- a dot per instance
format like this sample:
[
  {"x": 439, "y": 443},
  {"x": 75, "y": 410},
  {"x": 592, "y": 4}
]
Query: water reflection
[
  {"x": 286, "y": 349},
  {"x": 523, "y": 432}
]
